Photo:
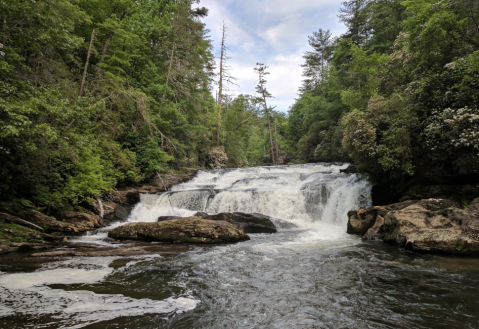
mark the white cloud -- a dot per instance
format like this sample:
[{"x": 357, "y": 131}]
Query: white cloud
[{"x": 274, "y": 32}]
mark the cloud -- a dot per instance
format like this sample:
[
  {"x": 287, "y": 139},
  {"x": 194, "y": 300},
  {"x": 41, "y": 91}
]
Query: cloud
[{"x": 274, "y": 32}]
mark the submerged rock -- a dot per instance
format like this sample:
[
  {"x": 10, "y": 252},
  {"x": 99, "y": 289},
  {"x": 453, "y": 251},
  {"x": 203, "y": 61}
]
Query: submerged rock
[
  {"x": 163, "y": 218},
  {"x": 183, "y": 230},
  {"x": 95, "y": 253},
  {"x": 432, "y": 226},
  {"x": 248, "y": 223}
]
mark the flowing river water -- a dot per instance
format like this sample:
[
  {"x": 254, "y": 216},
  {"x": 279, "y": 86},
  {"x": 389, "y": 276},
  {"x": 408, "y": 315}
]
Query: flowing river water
[{"x": 310, "y": 274}]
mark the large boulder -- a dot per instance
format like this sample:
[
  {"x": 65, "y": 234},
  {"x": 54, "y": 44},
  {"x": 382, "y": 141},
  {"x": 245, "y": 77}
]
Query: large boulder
[
  {"x": 127, "y": 196},
  {"x": 183, "y": 230},
  {"x": 369, "y": 222},
  {"x": 80, "y": 221},
  {"x": 49, "y": 224},
  {"x": 436, "y": 226},
  {"x": 248, "y": 223}
]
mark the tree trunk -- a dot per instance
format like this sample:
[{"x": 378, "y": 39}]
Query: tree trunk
[
  {"x": 86, "y": 64},
  {"x": 220, "y": 87},
  {"x": 105, "y": 48},
  {"x": 276, "y": 137},
  {"x": 271, "y": 139},
  {"x": 169, "y": 69}
]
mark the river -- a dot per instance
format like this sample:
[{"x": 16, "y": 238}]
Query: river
[{"x": 310, "y": 274}]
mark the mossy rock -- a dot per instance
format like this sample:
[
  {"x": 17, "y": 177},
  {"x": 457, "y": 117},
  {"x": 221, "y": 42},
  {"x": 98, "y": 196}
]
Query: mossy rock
[{"x": 183, "y": 230}]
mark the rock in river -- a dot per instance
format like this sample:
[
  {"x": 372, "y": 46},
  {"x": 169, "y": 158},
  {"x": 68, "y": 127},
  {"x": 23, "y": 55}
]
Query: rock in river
[
  {"x": 432, "y": 226},
  {"x": 183, "y": 230},
  {"x": 248, "y": 223}
]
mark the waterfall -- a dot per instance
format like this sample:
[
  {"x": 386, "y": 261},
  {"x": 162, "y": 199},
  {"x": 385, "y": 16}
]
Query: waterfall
[{"x": 304, "y": 195}]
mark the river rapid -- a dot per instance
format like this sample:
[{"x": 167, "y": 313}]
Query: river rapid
[{"x": 310, "y": 274}]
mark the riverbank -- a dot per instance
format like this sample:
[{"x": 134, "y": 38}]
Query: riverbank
[
  {"x": 24, "y": 227},
  {"x": 427, "y": 226}
]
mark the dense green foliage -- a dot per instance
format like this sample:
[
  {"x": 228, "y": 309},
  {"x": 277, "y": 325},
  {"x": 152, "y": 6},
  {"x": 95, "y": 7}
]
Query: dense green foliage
[
  {"x": 397, "y": 94},
  {"x": 146, "y": 104},
  {"x": 96, "y": 94}
]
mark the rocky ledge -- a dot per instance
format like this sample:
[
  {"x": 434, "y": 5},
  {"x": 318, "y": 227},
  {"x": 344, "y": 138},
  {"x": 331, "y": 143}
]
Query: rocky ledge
[
  {"x": 247, "y": 223},
  {"x": 25, "y": 227},
  {"x": 183, "y": 230},
  {"x": 430, "y": 226}
]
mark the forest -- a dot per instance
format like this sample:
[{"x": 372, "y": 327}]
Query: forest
[{"x": 102, "y": 94}]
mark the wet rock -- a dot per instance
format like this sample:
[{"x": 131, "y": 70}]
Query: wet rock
[
  {"x": 360, "y": 221},
  {"x": 79, "y": 221},
  {"x": 435, "y": 226},
  {"x": 116, "y": 212},
  {"x": 4, "y": 249},
  {"x": 95, "y": 253},
  {"x": 163, "y": 218},
  {"x": 369, "y": 222},
  {"x": 201, "y": 214},
  {"x": 127, "y": 196},
  {"x": 282, "y": 224},
  {"x": 248, "y": 223},
  {"x": 351, "y": 169},
  {"x": 183, "y": 230},
  {"x": 49, "y": 224}
]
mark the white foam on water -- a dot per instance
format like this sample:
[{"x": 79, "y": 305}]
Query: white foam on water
[
  {"x": 29, "y": 294},
  {"x": 304, "y": 195}
]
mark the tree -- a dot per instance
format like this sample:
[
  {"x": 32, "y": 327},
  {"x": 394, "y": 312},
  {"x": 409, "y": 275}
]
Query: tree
[
  {"x": 262, "y": 72},
  {"x": 225, "y": 78},
  {"x": 316, "y": 61},
  {"x": 354, "y": 14}
]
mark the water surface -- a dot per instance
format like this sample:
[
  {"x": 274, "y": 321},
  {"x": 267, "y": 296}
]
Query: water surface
[{"x": 310, "y": 276}]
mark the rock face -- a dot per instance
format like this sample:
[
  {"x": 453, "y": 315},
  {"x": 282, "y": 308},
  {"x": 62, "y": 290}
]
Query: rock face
[
  {"x": 351, "y": 169},
  {"x": 432, "y": 226},
  {"x": 435, "y": 225},
  {"x": 369, "y": 222},
  {"x": 80, "y": 221},
  {"x": 163, "y": 218},
  {"x": 183, "y": 230},
  {"x": 248, "y": 223},
  {"x": 49, "y": 224}
]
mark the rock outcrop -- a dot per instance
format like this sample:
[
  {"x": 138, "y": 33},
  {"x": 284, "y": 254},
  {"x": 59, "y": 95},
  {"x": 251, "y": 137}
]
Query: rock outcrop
[
  {"x": 369, "y": 222},
  {"x": 80, "y": 221},
  {"x": 432, "y": 226},
  {"x": 248, "y": 223},
  {"x": 183, "y": 230}
]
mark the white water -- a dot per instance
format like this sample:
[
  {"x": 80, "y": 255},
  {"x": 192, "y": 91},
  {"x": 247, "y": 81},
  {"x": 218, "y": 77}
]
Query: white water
[
  {"x": 310, "y": 278},
  {"x": 307, "y": 196}
]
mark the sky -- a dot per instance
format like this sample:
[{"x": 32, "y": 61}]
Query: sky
[{"x": 273, "y": 32}]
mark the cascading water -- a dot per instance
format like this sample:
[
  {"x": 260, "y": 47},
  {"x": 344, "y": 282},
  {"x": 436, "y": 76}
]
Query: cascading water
[
  {"x": 304, "y": 195},
  {"x": 314, "y": 277}
]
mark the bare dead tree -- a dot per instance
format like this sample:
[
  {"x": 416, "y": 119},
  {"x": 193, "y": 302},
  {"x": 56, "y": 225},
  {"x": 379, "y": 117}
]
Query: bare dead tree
[
  {"x": 87, "y": 63},
  {"x": 225, "y": 78}
]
